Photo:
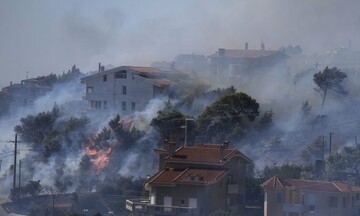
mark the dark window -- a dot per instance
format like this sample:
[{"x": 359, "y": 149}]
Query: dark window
[
  {"x": 105, "y": 104},
  {"x": 89, "y": 89},
  {"x": 344, "y": 202},
  {"x": 229, "y": 179},
  {"x": 333, "y": 202},
  {"x": 278, "y": 197},
  {"x": 120, "y": 74},
  {"x": 311, "y": 208},
  {"x": 123, "y": 106},
  {"x": 133, "y": 106},
  {"x": 104, "y": 78},
  {"x": 182, "y": 202},
  {"x": 124, "y": 90}
]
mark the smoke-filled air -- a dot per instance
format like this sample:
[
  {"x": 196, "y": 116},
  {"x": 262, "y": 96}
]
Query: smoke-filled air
[{"x": 95, "y": 93}]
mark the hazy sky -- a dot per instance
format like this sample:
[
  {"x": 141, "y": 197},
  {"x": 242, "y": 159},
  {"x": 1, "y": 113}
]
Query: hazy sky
[{"x": 48, "y": 36}]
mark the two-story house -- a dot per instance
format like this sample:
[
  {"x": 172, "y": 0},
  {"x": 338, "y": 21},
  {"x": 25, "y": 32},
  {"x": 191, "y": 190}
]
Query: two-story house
[
  {"x": 26, "y": 92},
  {"x": 127, "y": 89},
  {"x": 296, "y": 197},
  {"x": 195, "y": 180},
  {"x": 236, "y": 65}
]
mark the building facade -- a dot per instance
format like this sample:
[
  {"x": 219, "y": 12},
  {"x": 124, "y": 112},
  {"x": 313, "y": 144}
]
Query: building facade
[
  {"x": 127, "y": 89},
  {"x": 195, "y": 180},
  {"x": 237, "y": 65},
  {"x": 295, "y": 197}
]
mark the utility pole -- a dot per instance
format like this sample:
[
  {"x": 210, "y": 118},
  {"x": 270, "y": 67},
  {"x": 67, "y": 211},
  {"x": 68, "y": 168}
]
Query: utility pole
[
  {"x": 355, "y": 141},
  {"x": 323, "y": 148},
  {"x": 19, "y": 179},
  {"x": 186, "y": 127},
  {"x": 330, "y": 144},
  {"x": 15, "y": 153}
]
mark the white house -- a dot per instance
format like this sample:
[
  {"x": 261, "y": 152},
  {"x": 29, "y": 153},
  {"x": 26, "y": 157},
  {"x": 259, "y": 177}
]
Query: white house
[{"x": 127, "y": 89}]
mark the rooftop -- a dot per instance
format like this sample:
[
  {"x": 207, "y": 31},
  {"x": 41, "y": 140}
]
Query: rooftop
[
  {"x": 187, "y": 176},
  {"x": 246, "y": 53},
  {"x": 205, "y": 153},
  {"x": 278, "y": 183}
]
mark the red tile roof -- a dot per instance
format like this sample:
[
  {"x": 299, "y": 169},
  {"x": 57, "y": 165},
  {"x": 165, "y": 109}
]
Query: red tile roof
[
  {"x": 188, "y": 176},
  {"x": 246, "y": 53},
  {"x": 276, "y": 182},
  {"x": 204, "y": 153}
]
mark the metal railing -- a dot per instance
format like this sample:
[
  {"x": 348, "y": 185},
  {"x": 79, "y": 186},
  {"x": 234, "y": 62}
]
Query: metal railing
[{"x": 143, "y": 206}]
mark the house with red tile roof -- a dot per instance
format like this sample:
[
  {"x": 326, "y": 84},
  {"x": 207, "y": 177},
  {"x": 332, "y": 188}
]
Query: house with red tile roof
[
  {"x": 195, "y": 180},
  {"x": 127, "y": 89},
  {"x": 297, "y": 197}
]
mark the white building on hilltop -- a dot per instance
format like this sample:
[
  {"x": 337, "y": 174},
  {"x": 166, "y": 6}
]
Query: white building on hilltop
[{"x": 127, "y": 89}]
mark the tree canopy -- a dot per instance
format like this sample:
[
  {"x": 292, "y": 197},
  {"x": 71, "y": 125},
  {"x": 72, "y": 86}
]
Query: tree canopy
[
  {"x": 329, "y": 79},
  {"x": 227, "y": 118},
  {"x": 169, "y": 122}
]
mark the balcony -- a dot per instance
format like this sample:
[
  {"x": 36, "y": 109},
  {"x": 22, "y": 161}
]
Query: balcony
[
  {"x": 142, "y": 206},
  {"x": 294, "y": 208}
]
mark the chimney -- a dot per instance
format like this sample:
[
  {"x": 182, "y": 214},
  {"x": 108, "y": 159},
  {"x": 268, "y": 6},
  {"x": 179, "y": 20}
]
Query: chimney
[
  {"x": 10, "y": 83},
  {"x": 262, "y": 46},
  {"x": 99, "y": 66},
  {"x": 246, "y": 46},
  {"x": 170, "y": 147},
  {"x": 221, "y": 51},
  {"x": 226, "y": 144}
]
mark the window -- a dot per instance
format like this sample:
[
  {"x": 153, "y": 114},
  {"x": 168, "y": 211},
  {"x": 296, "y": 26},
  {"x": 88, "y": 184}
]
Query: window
[
  {"x": 133, "y": 106},
  {"x": 123, "y": 106},
  {"x": 344, "y": 202},
  {"x": 104, "y": 78},
  {"x": 333, "y": 202},
  {"x": 311, "y": 208},
  {"x": 311, "y": 203},
  {"x": 120, "y": 74},
  {"x": 278, "y": 197},
  {"x": 89, "y": 89},
  {"x": 229, "y": 179},
  {"x": 182, "y": 202},
  {"x": 124, "y": 90},
  {"x": 105, "y": 104},
  {"x": 95, "y": 104}
]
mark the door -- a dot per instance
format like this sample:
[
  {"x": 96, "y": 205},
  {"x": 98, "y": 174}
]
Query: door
[{"x": 167, "y": 202}]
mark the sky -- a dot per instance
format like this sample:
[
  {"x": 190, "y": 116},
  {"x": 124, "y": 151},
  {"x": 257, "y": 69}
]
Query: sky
[{"x": 39, "y": 37}]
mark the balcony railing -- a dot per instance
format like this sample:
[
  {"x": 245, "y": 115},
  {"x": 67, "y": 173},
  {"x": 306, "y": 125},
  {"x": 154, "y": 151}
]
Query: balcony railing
[
  {"x": 295, "y": 208},
  {"x": 143, "y": 206}
]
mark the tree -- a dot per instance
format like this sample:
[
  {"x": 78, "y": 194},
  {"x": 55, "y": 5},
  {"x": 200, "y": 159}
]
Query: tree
[
  {"x": 348, "y": 160},
  {"x": 305, "y": 108},
  {"x": 266, "y": 120},
  {"x": 227, "y": 117},
  {"x": 169, "y": 122},
  {"x": 329, "y": 79},
  {"x": 313, "y": 151}
]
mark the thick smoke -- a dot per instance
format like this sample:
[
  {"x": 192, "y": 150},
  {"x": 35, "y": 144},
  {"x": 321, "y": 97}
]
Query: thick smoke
[{"x": 48, "y": 36}]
